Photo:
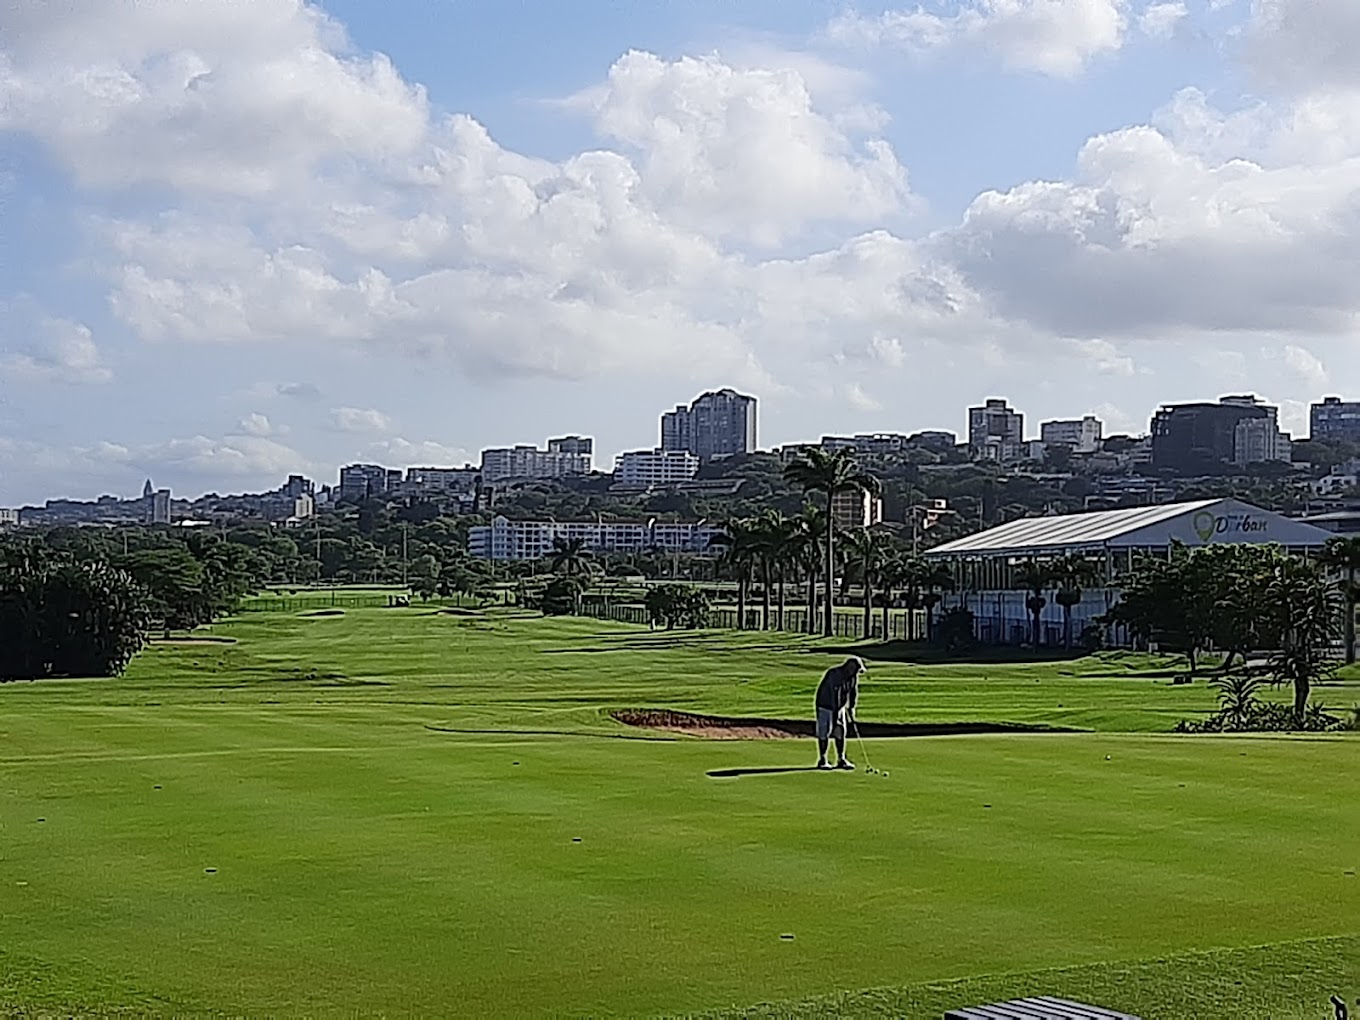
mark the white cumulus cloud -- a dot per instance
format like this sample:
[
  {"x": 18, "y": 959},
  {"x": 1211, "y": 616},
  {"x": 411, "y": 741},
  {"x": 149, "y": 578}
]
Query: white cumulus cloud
[
  {"x": 1059, "y": 38},
  {"x": 359, "y": 419},
  {"x": 54, "y": 350}
]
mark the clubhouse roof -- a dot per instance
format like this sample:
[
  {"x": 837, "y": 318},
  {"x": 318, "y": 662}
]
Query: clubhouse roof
[{"x": 1198, "y": 523}]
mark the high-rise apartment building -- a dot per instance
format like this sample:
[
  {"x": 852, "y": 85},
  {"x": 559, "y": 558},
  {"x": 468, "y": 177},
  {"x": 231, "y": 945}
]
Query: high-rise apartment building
[
  {"x": 1201, "y": 438},
  {"x": 995, "y": 430},
  {"x": 159, "y": 510},
  {"x": 364, "y": 481},
  {"x": 581, "y": 446},
  {"x": 297, "y": 486},
  {"x": 1335, "y": 419},
  {"x": 1083, "y": 435},
  {"x": 718, "y": 424},
  {"x": 855, "y": 508}
]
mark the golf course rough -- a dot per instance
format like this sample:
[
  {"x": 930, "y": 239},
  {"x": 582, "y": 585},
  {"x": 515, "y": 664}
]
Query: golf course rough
[{"x": 376, "y": 851}]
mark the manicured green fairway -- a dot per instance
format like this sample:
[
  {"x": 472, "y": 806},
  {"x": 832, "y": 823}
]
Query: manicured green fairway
[{"x": 390, "y": 800}]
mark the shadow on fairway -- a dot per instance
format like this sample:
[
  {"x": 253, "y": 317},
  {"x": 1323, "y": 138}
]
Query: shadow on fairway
[
  {"x": 741, "y": 727},
  {"x": 920, "y": 653},
  {"x": 731, "y": 773}
]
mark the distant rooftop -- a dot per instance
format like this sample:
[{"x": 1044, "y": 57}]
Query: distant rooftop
[{"x": 1193, "y": 523}]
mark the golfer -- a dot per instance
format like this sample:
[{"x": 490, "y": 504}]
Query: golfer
[{"x": 836, "y": 697}]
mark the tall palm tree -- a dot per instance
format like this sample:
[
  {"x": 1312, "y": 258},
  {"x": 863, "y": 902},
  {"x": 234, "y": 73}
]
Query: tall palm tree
[
  {"x": 1303, "y": 604},
  {"x": 868, "y": 550},
  {"x": 805, "y": 555},
  {"x": 571, "y": 559},
  {"x": 830, "y": 473},
  {"x": 740, "y": 541},
  {"x": 924, "y": 581},
  {"x": 890, "y": 574},
  {"x": 1344, "y": 554},
  {"x": 1070, "y": 574},
  {"x": 1034, "y": 577},
  {"x": 778, "y": 549}
]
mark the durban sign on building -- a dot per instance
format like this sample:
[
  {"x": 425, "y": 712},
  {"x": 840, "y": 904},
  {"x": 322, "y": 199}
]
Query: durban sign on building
[{"x": 1226, "y": 522}]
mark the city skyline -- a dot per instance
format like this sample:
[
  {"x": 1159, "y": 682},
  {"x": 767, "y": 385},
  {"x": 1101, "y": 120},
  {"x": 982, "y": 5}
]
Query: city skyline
[
  {"x": 298, "y": 235},
  {"x": 1336, "y": 414}
]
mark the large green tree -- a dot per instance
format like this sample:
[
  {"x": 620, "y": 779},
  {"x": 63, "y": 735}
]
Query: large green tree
[
  {"x": 830, "y": 473},
  {"x": 60, "y": 617}
]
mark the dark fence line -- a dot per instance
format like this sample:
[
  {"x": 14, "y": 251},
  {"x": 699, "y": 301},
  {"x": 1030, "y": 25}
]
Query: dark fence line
[
  {"x": 286, "y": 605},
  {"x": 902, "y": 626}
]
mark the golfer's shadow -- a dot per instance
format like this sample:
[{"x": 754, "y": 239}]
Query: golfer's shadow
[{"x": 730, "y": 773}]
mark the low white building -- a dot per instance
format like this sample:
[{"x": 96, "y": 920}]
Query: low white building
[
  {"x": 655, "y": 467},
  {"x": 504, "y": 539},
  {"x": 1083, "y": 435},
  {"x": 525, "y": 461},
  {"x": 1343, "y": 476},
  {"x": 986, "y": 566}
]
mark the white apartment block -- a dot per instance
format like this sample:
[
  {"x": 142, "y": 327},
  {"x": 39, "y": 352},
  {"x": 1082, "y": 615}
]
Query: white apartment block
[
  {"x": 656, "y": 467},
  {"x": 9, "y": 518},
  {"x": 1256, "y": 440},
  {"x": 1083, "y": 435},
  {"x": 504, "y": 539},
  {"x": 856, "y": 509},
  {"x": 530, "y": 462}
]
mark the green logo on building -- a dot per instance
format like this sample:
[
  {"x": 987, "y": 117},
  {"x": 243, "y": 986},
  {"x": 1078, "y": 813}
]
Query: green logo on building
[{"x": 1204, "y": 524}]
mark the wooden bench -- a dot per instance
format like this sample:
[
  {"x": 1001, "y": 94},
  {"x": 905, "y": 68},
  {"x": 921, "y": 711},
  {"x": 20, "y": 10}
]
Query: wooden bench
[{"x": 1042, "y": 1007}]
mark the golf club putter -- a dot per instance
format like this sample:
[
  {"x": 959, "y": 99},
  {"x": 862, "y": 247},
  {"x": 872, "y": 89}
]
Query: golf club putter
[{"x": 863, "y": 751}]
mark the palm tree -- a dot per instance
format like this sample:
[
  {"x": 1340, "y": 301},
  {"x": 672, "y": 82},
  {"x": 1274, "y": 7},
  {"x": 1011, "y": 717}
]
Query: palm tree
[
  {"x": 868, "y": 551},
  {"x": 571, "y": 559},
  {"x": 770, "y": 547},
  {"x": 830, "y": 473},
  {"x": 740, "y": 542},
  {"x": 777, "y": 549},
  {"x": 806, "y": 556},
  {"x": 891, "y": 573},
  {"x": 1034, "y": 576},
  {"x": 1070, "y": 573},
  {"x": 1303, "y": 604},
  {"x": 1344, "y": 554},
  {"x": 924, "y": 581}
]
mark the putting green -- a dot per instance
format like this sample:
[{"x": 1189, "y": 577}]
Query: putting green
[{"x": 367, "y": 859}]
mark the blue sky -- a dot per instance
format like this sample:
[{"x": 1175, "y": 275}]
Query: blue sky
[{"x": 239, "y": 239}]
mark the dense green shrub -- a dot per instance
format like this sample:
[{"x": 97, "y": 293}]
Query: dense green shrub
[
  {"x": 63, "y": 618},
  {"x": 677, "y": 605}
]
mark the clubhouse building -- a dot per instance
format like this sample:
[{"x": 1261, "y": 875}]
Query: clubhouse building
[{"x": 985, "y": 566}]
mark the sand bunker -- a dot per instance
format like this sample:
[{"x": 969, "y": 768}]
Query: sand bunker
[
  {"x": 717, "y": 727},
  {"x": 710, "y": 726}
]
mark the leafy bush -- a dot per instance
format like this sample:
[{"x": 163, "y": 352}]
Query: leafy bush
[
  {"x": 954, "y": 630},
  {"x": 61, "y": 618},
  {"x": 677, "y": 605},
  {"x": 1266, "y": 717}
]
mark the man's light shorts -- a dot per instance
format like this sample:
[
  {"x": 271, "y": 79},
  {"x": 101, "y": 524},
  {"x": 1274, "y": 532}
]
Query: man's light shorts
[{"x": 830, "y": 724}]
